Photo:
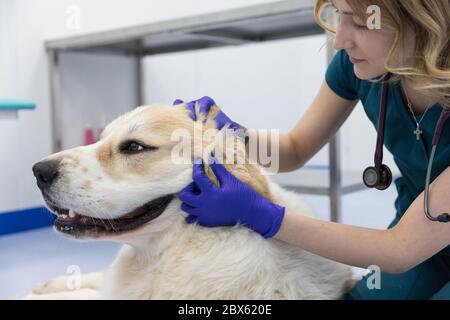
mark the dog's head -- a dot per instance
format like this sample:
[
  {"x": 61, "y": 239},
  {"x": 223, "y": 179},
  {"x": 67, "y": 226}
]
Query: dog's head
[{"x": 127, "y": 180}]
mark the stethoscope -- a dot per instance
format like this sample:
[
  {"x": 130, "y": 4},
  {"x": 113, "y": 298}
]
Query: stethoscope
[{"x": 380, "y": 176}]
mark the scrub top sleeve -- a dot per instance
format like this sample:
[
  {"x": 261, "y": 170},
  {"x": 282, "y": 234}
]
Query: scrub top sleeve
[{"x": 341, "y": 78}]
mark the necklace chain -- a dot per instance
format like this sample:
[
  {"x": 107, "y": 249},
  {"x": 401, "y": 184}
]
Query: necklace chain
[{"x": 418, "y": 131}]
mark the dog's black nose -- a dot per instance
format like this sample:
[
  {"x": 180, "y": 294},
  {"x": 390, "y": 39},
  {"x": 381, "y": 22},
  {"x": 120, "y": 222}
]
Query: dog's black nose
[{"x": 46, "y": 173}]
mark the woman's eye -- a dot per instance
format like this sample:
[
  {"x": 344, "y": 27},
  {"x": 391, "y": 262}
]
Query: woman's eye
[{"x": 359, "y": 22}]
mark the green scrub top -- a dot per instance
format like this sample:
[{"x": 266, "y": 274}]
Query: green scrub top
[{"x": 410, "y": 155}]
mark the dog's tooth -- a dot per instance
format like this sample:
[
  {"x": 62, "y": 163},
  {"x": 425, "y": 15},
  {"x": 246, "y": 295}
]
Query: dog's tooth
[
  {"x": 72, "y": 214},
  {"x": 64, "y": 216}
]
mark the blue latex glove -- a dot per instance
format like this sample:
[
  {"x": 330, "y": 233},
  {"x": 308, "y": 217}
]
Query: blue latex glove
[
  {"x": 205, "y": 104},
  {"x": 232, "y": 203}
]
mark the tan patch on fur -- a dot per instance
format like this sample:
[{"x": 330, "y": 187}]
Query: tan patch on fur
[
  {"x": 87, "y": 186},
  {"x": 109, "y": 205},
  {"x": 70, "y": 160},
  {"x": 155, "y": 128},
  {"x": 248, "y": 173},
  {"x": 105, "y": 157},
  {"x": 160, "y": 121}
]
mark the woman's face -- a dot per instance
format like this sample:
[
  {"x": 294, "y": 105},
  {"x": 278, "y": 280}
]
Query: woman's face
[{"x": 367, "y": 48}]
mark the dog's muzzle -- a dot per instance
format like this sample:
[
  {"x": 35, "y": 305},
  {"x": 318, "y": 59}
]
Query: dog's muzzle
[{"x": 77, "y": 225}]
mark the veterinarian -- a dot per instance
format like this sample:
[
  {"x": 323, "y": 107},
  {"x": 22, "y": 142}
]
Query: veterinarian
[{"x": 408, "y": 57}]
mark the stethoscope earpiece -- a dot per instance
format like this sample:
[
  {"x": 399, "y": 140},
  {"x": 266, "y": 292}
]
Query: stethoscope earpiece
[{"x": 445, "y": 217}]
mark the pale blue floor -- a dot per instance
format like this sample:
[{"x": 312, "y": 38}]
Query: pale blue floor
[{"x": 30, "y": 257}]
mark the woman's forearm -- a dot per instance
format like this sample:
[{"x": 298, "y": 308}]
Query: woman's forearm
[{"x": 351, "y": 245}]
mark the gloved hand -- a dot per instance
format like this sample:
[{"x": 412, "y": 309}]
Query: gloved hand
[
  {"x": 232, "y": 203},
  {"x": 205, "y": 104}
]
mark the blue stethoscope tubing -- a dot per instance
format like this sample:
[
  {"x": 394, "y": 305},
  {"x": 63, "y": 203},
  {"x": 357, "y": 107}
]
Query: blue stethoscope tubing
[{"x": 380, "y": 176}]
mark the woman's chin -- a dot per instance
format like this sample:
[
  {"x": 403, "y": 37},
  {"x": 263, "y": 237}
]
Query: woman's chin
[{"x": 364, "y": 72}]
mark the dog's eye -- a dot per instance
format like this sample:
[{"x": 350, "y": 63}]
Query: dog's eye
[{"x": 132, "y": 147}]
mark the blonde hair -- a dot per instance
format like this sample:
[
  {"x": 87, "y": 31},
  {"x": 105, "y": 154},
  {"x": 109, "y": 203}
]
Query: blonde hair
[{"x": 430, "y": 21}]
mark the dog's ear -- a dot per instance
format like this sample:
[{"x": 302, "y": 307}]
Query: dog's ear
[
  {"x": 229, "y": 150},
  {"x": 208, "y": 119},
  {"x": 247, "y": 173}
]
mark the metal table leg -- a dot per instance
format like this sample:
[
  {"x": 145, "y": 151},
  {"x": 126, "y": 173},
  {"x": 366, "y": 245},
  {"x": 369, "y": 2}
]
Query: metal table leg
[
  {"x": 139, "y": 73},
  {"x": 55, "y": 102}
]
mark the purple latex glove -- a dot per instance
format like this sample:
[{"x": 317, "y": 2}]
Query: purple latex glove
[
  {"x": 205, "y": 105},
  {"x": 232, "y": 203}
]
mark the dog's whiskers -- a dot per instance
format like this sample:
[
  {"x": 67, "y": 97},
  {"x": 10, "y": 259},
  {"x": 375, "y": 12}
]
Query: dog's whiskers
[
  {"x": 98, "y": 208},
  {"x": 94, "y": 207}
]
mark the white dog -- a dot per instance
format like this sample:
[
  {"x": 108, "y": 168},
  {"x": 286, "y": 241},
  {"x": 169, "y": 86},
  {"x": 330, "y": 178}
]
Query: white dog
[{"x": 124, "y": 188}]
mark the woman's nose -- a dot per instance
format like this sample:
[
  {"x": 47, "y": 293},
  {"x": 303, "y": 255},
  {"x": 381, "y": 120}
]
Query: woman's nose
[{"x": 343, "y": 38}]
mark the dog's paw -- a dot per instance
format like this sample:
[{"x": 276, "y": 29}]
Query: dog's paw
[{"x": 50, "y": 286}]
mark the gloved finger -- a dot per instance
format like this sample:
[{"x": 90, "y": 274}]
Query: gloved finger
[
  {"x": 177, "y": 102},
  {"x": 235, "y": 127},
  {"x": 187, "y": 195},
  {"x": 199, "y": 176},
  {"x": 191, "y": 219},
  {"x": 192, "y": 188},
  {"x": 189, "y": 209},
  {"x": 221, "y": 173},
  {"x": 190, "y": 106},
  {"x": 205, "y": 104}
]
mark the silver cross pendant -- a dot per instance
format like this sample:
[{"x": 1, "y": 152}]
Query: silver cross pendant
[{"x": 418, "y": 132}]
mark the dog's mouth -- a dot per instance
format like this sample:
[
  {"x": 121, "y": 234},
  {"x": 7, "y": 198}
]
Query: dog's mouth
[{"x": 75, "y": 224}]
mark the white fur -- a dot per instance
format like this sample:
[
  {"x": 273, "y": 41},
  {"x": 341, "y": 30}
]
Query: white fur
[
  {"x": 191, "y": 262},
  {"x": 169, "y": 259}
]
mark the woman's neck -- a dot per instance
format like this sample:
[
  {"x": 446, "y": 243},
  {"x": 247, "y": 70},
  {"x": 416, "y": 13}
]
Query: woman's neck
[{"x": 419, "y": 101}]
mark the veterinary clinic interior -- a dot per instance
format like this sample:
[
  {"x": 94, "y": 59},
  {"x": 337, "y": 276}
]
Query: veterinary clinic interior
[{"x": 347, "y": 99}]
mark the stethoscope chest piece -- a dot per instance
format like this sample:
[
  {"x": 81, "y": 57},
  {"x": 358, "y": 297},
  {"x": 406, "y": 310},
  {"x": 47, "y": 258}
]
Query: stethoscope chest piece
[
  {"x": 380, "y": 176},
  {"x": 380, "y": 179}
]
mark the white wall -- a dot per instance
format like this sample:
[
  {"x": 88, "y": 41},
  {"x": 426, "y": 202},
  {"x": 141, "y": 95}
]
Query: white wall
[
  {"x": 97, "y": 89},
  {"x": 277, "y": 80},
  {"x": 24, "y": 25},
  {"x": 266, "y": 86}
]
